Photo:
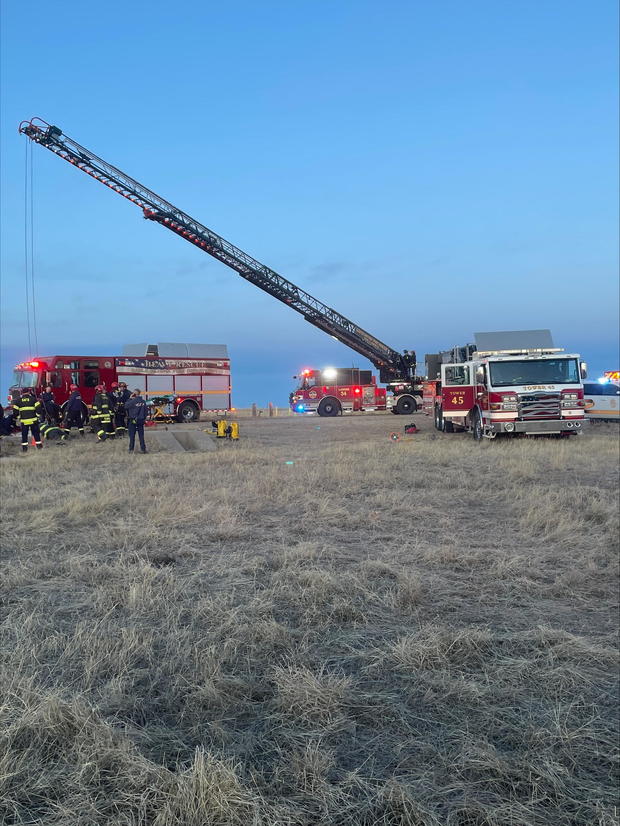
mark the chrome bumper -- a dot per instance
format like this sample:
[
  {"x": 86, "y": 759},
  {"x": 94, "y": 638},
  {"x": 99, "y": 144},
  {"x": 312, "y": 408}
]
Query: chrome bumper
[{"x": 544, "y": 426}]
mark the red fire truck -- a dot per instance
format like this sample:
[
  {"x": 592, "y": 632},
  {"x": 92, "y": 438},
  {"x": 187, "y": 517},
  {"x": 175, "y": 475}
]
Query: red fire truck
[
  {"x": 506, "y": 383},
  {"x": 184, "y": 379},
  {"x": 336, "y": 390}
]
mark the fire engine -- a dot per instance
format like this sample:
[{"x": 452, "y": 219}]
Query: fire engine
[
  {"x": 396, "y": 369},
  {"x": 332, "y": 391},
  {"x": 183, "y": 378},
  {"x": 506, "y": 383}
]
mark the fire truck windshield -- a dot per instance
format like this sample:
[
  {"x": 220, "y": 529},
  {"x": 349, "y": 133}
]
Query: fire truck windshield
[
  {"x": 545, "y": 371},
  {"x": 25, "y": 378}
]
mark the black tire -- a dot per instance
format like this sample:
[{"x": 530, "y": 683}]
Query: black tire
[
  {"x": 476, "y": 428},
  {"x": 188, "y": 412},
  {"x": 329, "y": 407},
  {"x": 438, "y": 418},
  {"x": 85, "y": 413},
  {"x": 406, "y": 405},
  {"x": 448, "y": 427}
]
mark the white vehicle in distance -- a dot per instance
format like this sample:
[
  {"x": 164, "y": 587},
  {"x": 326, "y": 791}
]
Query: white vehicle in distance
[{"x": 602, "y": 400}]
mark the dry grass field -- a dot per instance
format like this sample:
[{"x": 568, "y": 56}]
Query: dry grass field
[{"x": 382, "y": 633}]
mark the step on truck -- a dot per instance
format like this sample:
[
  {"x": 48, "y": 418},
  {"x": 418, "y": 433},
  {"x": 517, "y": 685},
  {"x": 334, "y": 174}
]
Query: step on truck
[
  {"x": 506, "y": 383},
  {"x": 186, "y": 378}
]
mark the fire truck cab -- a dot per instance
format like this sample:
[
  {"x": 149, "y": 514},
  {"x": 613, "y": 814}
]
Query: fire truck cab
[
  {"x": 513, "y": 382},
  {"x": 333, "y": 391}
]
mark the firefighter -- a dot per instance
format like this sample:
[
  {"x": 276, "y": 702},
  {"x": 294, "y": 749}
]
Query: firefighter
[
  {"x": 137, "y": 411},
  {"x": 7, "y": 423},
  {"x": 28, "y": 408},
  {"x": 50, "y": 408},
  {"x": 74, "y": 410},
  {"x": 102, "y": 414},
  {"x": 119, "y": 396}
]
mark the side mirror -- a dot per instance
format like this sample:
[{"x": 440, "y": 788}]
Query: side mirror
[
  {"x": 583, "y": 369},
  {"x": 480, "y": 375}
]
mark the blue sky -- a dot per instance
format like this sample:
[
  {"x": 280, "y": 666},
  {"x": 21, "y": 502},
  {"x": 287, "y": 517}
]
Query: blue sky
[{"x": 427, "y": 169}]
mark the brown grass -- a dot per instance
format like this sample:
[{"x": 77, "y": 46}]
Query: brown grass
[{"x": 380, "y": 634}]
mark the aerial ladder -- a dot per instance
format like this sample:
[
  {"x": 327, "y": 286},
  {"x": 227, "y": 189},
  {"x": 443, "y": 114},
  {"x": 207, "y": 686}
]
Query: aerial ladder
[{"x": 396, "y": 369}]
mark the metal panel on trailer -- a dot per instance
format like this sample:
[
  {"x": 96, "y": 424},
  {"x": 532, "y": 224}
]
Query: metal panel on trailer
[
  {"x": 186, "y": 385},
  {"x": 134, "y": 382},
  {"x": 215, "y": 390},
  {"x": 508, "y": 340},
  {"x": 176, "y": 349},
  {"x": 159, "y": 384},
  {"x": 135, "y": 350}
]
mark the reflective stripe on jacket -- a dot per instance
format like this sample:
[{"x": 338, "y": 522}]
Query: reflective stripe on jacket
[
  {"x": 27, "y": 408},
  {"x": 101, "y": 407}
]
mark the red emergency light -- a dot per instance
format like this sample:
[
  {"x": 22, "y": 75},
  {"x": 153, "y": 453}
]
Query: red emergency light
[
  {"x": 357, "y": 390},
  {"x": 34, "y": 363}
]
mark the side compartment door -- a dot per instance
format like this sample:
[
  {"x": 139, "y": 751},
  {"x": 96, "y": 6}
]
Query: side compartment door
[{"x": 457, "y": 390}]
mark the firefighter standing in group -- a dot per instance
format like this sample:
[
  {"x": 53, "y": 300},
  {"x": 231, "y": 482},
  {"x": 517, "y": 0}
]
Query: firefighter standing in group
[
  {"x": 74, "y": 410},
  {"x": 50, "y": 408},
  {"x": 28, "y": 408},
  {"x": 118, "y": 396},
  {"x": 102, "y": 414}
]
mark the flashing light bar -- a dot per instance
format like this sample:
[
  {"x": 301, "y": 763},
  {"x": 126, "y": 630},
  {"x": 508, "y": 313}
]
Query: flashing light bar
[
  {"x": 28, "y": 365},
  {"x": 612, "y": 375}
]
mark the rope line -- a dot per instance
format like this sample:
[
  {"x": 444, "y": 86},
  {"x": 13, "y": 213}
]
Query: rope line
[
  {"x": 32, "y": 284},
  {"x": 26, "y": 268}
]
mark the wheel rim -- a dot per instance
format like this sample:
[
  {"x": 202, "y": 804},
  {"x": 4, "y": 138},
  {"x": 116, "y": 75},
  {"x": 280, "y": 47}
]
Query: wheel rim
[
  {"x": 187, "y": 413},
  {"x": 478, "y": 428}
]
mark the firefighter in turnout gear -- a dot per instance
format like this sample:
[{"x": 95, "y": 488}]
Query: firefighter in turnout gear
[
  {"x": 28, "y": 408},
  {"x": 74, "y": 410},
  {"x": 102, "y": 414},
  {"x": 50, "y": 408},
  {"x": 119, "y": 396}
]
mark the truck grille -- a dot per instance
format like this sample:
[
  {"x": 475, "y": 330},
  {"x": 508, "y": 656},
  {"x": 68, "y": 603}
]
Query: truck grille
[{"x": 539, "y": 406}]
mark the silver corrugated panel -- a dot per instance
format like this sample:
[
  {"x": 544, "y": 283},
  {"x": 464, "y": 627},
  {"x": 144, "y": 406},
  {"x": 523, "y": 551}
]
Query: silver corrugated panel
[
  {"x": 135, "y": 349},
  {"x": 174, "y": 349},
  {"x": 514, "y": 340},
  {"x": 211, "y": 351}
]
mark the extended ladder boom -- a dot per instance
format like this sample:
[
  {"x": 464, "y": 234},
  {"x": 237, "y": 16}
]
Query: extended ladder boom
[{"x": 391, "y": 364}]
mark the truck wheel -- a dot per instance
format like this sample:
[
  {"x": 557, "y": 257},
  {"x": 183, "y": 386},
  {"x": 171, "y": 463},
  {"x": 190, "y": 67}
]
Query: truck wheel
[
  {"x": 406, "y": 405},
  {"x": 188, "y": 412},
  {"x": 85, "y": 412},
  {"x": 476, "y": 428},
  {"x": 448, "y": 427},
  {"x": 438, "y": 418},
  {"x": 329, "y": 407}
]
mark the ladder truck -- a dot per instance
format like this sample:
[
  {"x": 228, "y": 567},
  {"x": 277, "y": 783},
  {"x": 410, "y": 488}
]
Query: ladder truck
[{"x": 396, "y": 370}]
